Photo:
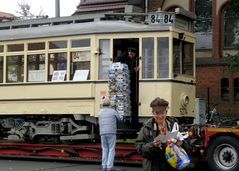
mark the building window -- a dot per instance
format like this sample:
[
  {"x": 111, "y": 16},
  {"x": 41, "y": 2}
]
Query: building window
[
  {"x": 36, "y": 68},
  {"x": 104, "y": 59},
  {"x": 225, "y": 89},
  {"x": 80, "y": 65},
  {"x": 231, "y": 26},
  {"x": 15, "y": 68},
  {"x": 236, "y": 89},
  {"x": 162, "y": 57},
  {"x": 148, "y": 58}
]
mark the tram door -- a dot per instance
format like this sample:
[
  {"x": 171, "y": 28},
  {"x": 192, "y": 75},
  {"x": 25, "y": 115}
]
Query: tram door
[{"x": 120, "y": 48}]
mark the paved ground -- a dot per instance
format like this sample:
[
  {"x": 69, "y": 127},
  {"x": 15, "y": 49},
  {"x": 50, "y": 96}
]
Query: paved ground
[{"x": 11, "y": 164}]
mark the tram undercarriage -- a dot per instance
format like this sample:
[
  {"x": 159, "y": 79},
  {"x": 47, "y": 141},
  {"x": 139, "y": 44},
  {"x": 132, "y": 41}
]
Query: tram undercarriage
[{"x": 45, "y": 129}]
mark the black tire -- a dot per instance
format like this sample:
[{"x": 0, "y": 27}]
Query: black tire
[{"x": 223, "y": 154}]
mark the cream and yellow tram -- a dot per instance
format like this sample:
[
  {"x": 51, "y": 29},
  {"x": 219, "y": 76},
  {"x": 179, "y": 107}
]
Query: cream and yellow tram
[{"x": 54, "y": 72}]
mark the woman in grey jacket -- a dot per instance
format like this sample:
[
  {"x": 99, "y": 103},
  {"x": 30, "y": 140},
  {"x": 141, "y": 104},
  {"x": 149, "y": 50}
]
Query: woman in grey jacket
[
  {"x": 152, "y": 150},
  {"x": 108, "y": 127}
]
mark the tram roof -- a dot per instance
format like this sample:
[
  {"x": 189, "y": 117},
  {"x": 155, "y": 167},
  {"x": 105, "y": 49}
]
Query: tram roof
[{"x": 47, "y": 28}]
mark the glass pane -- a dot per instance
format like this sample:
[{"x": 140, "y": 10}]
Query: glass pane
[
  {"x": 80, "y": 66},
  {"x": 57, "y": 62},
  {"x": 57, "y": 44},
  {"x": 104, "y": 59},
  {"x": 225, "y": 89},
  {"x": 36, "y": 46},
  {"x": 188, "y": 59},
  {"x": 15, "y": 68},
  {"x": 163, "y": 43},
  {"x": 236, "y": 89},
  {"x": 1, "y": 69},
  {"x": 36, "y": 68},
  {"x": 80, "y": 43},
  {"x": 148, "y": 58},
  {"x": 15, "y": 47},
  {"x": 1, "y": 48},
  {"x": 176, "y": 56}
]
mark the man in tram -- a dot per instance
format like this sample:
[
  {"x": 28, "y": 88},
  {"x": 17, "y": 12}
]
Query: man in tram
[{"x": 130, "y": 58}]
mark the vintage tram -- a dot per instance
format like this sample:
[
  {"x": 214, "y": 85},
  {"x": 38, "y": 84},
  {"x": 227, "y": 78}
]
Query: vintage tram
[{"x": 54, "y": 71}]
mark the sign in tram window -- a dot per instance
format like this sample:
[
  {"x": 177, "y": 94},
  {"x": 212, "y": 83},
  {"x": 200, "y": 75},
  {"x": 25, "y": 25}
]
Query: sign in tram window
[
  {"x": 80, "y": 65},
  {"x": 80, "y": 43},
  {"x": 36, "y": 68},
  {"x": 57, "y": 61},
  {"x": 57, "y": 44},
  {"x": 1, "y": 69},
  {"x": 15, "y": 68},
  {"x": 36, "y": 46},
  {"x": 15, "y": 47},
  {"x": 1, "y": 48}
]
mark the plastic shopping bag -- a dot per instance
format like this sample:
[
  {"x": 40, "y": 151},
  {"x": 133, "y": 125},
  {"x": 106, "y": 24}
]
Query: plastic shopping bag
[{"x": 177, "y": 156}]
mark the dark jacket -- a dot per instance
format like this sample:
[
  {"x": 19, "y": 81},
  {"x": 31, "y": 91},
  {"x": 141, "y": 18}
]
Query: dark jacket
[{"x": 153, "y": 157}]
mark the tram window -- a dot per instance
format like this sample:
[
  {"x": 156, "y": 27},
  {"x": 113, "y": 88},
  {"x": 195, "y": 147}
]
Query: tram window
[
  {"x": 1, "y": 48},
  {"x": 36, "y": 68},
  {"x": 183, "y": 50},
  {"x": 162, "y": 57},
  {"x": 57, "y": 62},
  {"x": 80, "y": 43},
  {"x": 1, "y": 69},
  {"x": 36, "y": 46},
  {"x": 15, "y": 47},
  {"x": 15, "y": 68},
  {"x": 148, "y": 58},
  {"x": 104, "y": 59},
  {"x": 80, "y": 65},
  {"x": 57, "y": 44}
]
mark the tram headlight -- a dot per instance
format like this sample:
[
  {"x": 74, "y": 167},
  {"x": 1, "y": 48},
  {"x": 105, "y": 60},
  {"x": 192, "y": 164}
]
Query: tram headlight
[{"x": 184, "y": 100}]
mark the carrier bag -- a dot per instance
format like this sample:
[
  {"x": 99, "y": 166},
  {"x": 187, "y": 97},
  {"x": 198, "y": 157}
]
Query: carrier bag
[{"x": 177, "y": 156}]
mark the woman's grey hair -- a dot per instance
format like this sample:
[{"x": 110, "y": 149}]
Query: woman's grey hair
[{"x": 106, "y": 102}]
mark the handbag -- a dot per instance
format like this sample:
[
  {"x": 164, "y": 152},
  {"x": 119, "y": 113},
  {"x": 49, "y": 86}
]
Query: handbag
[{"x": 176, "y": 156}]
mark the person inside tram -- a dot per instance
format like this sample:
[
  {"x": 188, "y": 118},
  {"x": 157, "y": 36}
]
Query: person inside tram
[{"x": 130, "y": 58}]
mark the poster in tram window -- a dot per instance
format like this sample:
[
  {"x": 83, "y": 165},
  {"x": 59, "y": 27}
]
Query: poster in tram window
[
  {"x": 58, "y": 76},
  {"x": 81, "y": 75}
]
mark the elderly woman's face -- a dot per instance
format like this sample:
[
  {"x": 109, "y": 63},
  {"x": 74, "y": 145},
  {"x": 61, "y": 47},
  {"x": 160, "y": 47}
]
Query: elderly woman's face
[{"x": 159, "y": 113}]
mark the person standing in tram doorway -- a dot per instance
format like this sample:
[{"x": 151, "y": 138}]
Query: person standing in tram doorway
[
  {"x": 130, "y": 58},
  {"x": 108, "y": 127}
]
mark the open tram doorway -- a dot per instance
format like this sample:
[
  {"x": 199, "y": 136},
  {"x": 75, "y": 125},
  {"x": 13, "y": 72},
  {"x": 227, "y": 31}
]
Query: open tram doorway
[{"x": 120, "y": 49}]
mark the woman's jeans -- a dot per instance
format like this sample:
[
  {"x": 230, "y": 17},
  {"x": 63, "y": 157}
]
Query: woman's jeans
[{"x": 108, "y": 142}]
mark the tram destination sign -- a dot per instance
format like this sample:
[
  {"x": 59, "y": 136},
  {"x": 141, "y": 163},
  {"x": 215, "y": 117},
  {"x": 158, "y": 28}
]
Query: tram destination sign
[{"x": 162, "y": 18}]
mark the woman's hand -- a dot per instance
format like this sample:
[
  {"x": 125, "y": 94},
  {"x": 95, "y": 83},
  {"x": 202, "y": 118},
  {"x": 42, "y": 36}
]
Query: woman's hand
[{"x": 157, "y": 143}]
